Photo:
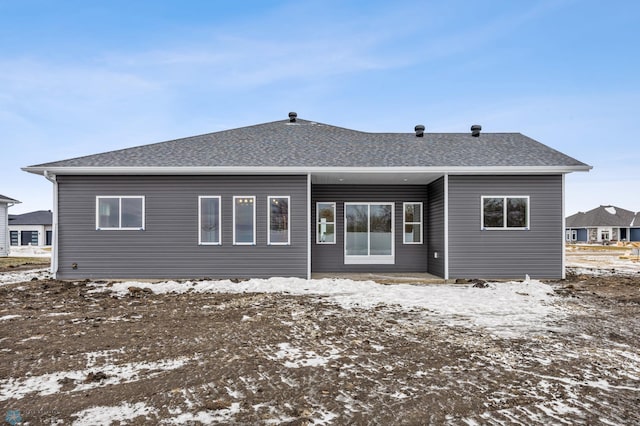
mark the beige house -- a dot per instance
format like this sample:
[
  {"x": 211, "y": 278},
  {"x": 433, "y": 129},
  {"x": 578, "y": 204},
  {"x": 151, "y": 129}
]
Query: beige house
[{"x": 31, "y": 229}]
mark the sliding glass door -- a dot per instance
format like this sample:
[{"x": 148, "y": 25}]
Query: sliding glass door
[{"x": 369, "y": 235}]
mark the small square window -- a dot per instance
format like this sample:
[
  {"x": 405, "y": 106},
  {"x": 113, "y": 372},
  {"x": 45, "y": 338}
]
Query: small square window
[
  {"x": 120, "y": 213},
  {"x": 505, "y": 212}
]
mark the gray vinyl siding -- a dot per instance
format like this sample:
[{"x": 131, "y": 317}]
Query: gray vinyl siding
[
  {"x": 330, "y": 257},
  {"x": 434, "y": 216},
  {"x": 168, "y": 246},
  {"x": 634, "y": 234},
  {"x": 505, "y": 253}
]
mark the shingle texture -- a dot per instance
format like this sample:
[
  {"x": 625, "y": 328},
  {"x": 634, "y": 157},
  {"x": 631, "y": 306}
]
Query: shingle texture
[
  {"x": 40, "y": 217},
  {"x": 310, "y": 144},
  {"x": 603, "y": 216}
]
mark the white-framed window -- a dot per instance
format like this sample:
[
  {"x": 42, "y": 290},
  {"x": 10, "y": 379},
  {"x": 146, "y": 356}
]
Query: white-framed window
[
  {"x": 412, "y": 222},
  {"x": 121, "y": 212},
  {"x": 209, "y": 219},
  {"x": 369, "y": 233},
  {"x": 572, "y": 235},
  {"x": 278, "y": 230},
  {"x": 244, "y": 220},
  {"x": 505, "y": 212},
  {"x": 325, "y": 222}
]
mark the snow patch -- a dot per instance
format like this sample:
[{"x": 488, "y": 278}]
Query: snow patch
[
  {"x": 50, "y": 383},
  {"x": 22, "y": 276},
  {"x": 9, "y": 317},
  {"x": 108, "y": 415},
  {"x": 610, "y": 209},
  {"x": 206, "y": 417},
  {"x": 30, "y": 251},
  {"x": 504, "y": 308},
  {"x": 296, "y": 358}
]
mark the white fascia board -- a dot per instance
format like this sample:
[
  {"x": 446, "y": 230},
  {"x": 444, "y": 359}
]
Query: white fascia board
[
  {"x": 230, "y": 170},
  {"x": 10, "y": 201}
]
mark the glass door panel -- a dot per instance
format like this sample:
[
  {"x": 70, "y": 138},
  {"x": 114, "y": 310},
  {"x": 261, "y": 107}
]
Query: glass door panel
[
  {"x": 357, "y": 229},
  {"x": 369, "y": 237},
  {"x": 381, "y": 237}
]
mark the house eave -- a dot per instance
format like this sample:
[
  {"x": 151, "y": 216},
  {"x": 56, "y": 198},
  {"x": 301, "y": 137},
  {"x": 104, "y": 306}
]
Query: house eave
[{"x": 299, "y": 170}]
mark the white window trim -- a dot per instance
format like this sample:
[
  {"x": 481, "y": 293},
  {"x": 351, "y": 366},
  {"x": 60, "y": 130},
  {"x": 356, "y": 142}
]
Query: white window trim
[
  {"x": 253, "y": 243},
  {"x": 208, "y": 243},
  {"x": 288, "y": 242},
  {"x": 504, "y": 212},
  {"x": 571, "y": 235},
  {"x": 318, "y": 241},
  {"x": 404, "y": 223},
  {"x": 120, "y": 228},
  {"x": 371, "y": 259}
]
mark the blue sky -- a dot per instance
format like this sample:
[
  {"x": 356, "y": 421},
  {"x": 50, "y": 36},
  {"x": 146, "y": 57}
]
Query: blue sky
[{"x": 79, "y": 77}]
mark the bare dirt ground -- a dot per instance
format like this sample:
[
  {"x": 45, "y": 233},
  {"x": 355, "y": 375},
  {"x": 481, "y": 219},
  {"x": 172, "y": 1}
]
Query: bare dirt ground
[{"x": 73, "y": 355}]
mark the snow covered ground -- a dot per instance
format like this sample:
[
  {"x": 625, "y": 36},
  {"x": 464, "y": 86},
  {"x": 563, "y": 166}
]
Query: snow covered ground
[
  {"x": 30, "y": 251},
  {"x": 594, "y": 263},
  {"x": 331, "y": 351},
  {"x": 506, "y": 309},
  {"x": 24, "y": 276}
]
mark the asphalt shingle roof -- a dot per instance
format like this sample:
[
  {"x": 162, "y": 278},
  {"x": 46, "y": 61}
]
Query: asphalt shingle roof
[
  {"x": 603, "y": 216},
  {"x": 310, "y": 144},
  {"x": 39, "y": 217}
]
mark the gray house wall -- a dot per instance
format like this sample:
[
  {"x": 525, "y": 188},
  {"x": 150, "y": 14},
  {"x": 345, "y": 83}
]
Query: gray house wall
[
  {"x": 330, "y": 257},
  {"x": 505, "y": 253},
  {"x": 435, "y": 228},
  {"x": 168, "y": 246}
]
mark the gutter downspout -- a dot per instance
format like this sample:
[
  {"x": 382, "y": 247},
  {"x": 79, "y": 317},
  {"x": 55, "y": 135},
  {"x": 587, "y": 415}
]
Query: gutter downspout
[
  {"x": 446, "y": 227},
  {"x": 310, "y": 227},
  {"x": 54, "y": 252}
]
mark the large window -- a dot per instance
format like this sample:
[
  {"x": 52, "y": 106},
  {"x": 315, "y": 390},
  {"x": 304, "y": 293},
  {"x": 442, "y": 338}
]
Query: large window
[
  {"x": 29, "y": 238},
  {"x": 412, "y": 223},
  {"x": 120, "y": 212},
  {"x": 278, "y": 218},
  {"x": 244, "y": 220},
  {"x": 209, "y": 219},
  {"x": 505, "y": 212},
  {"x": 325, "y": 223},
  {"x": 368, "y": 233}
]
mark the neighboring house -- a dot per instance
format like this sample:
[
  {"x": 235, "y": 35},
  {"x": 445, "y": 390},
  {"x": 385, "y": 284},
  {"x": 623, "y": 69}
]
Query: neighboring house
[
  {"x": 602, "y": 225},
  {"x": 296, "y": 197},
  {"x": 31, "y": 229},
  {"x": 5, "y": 203}
]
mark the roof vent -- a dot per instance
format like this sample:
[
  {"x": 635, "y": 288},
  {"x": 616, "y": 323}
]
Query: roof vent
[
  {"x": 475, "y": 130},
  {"x": 292, "y": 117},
  {"x": 419, "y": 130}
]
